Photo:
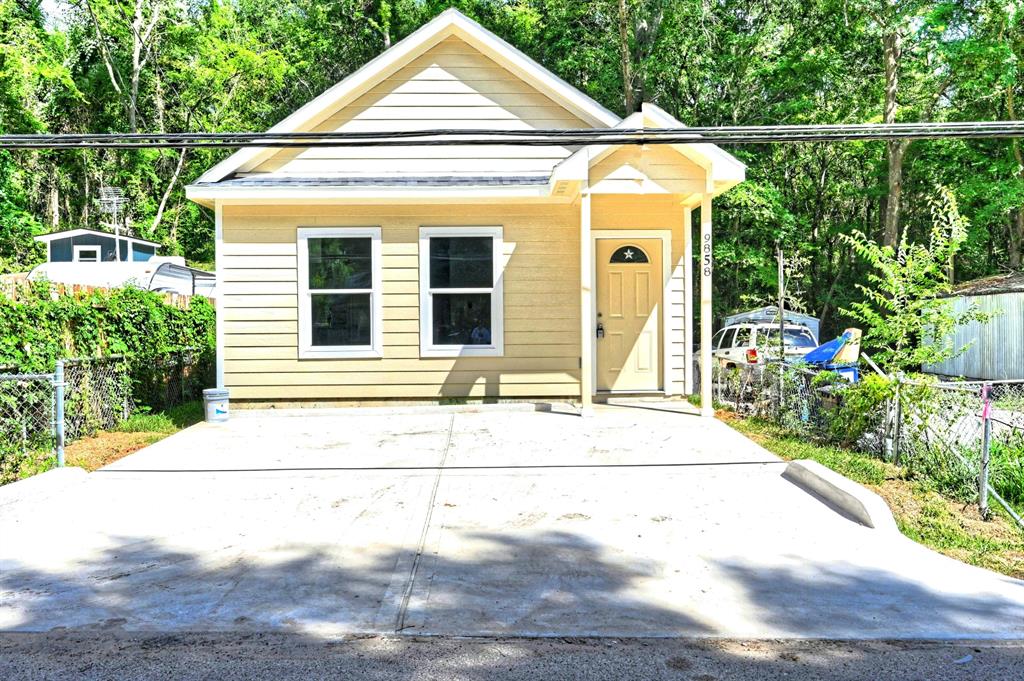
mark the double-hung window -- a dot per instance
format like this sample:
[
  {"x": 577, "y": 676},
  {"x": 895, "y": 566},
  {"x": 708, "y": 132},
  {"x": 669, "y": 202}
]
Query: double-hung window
[
  {"x": 340, "y": 307},
  {"x": 460, "y": 291}
]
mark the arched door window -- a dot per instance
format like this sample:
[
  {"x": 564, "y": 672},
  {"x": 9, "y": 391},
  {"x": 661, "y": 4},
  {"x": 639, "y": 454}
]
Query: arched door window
[{"x": 629, "y": 255}]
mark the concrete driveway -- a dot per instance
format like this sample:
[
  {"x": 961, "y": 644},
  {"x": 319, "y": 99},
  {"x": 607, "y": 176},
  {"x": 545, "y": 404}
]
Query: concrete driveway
[{"x": 502, "y": 522}]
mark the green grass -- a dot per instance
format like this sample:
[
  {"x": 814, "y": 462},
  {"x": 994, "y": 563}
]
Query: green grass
[
  {"x": 922, "y": 512},
  {"x": 166, "y": 422},
  {"x": 858, "y": 467}
]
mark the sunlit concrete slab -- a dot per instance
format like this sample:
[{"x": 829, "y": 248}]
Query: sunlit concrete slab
[{"x": 506, "y": 522}]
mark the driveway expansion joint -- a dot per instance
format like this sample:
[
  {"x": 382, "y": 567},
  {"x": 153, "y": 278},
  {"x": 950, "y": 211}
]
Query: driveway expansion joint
[{"x": 403, "y": 609}]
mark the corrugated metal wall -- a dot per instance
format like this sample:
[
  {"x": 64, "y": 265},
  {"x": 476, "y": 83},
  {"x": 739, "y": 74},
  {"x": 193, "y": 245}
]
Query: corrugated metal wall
[{"x": 997, "y": 352}]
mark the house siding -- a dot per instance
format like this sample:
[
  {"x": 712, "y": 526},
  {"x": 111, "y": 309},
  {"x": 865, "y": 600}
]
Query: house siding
[
  {"x": 451, "y": 86},
  {"x": 259, "y": 294},
  {"x": 259, "y": 298}
]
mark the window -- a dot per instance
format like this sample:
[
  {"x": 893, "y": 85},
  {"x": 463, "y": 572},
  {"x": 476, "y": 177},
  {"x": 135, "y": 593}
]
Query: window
[
  {"x": 716, "y": 342},
  {"x": 460, "y": 291},
  {"x": 794, "y": 337},
  {"x": 727, "y": 339},
  {"x": 86, "y": 254},
  {"x": 744, "y": 336},
  {"x": 630, "y": 255},
  {"x": 340, "y": 307}
]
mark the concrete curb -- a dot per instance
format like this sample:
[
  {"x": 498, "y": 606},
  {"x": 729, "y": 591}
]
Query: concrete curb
[
  {"x": 841, "y": 494},
  {"x": 41, "y": 486}
]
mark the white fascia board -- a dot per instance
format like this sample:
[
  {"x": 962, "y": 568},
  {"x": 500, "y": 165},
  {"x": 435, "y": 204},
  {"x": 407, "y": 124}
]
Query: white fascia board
[
  {"x": 726, "y": 165},
  {"x": 297, "y": 195},
  {"x": 450, "y": 22},
  {"x": 352, "y": 86},
  {"x": 577, "y": 165},
  {"x": 725, "y": 170}
]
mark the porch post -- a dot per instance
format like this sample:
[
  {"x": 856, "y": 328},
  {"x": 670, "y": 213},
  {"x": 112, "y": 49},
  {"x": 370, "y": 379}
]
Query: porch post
[
  {"x": 218, "y": 256},
  {"x": 706, "y": 321},
  {"x": 688, "y": 295},
  {"x": 586, "y": 305}
]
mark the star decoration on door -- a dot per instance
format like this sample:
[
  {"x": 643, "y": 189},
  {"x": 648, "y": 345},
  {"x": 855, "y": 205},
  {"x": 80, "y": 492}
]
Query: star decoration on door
[{"x": 629, "y": 254}]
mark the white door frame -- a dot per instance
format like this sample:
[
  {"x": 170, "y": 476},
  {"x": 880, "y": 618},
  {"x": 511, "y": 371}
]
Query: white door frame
[{"x": 665, "y": 235}]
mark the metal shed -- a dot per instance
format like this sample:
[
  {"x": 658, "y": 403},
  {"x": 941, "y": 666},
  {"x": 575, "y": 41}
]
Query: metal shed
[{"x": 997, "y": 346}]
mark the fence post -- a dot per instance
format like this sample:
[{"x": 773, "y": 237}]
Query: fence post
[
  {"x": 58, "y": 386},
  {"x": 181, "y": 377},
  {"x": 986, "y": 442},
  {"x": 897, "y": 423}
]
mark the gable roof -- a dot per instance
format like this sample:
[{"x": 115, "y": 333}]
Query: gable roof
[
  {"x": 451, "y": 22},
  {"x": 50, "y": 236},
  {"x": 724, "y": 170}
]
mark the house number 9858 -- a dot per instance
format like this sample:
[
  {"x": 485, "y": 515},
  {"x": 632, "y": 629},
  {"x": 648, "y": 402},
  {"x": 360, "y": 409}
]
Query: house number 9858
[{"x": 706, "y": 257}]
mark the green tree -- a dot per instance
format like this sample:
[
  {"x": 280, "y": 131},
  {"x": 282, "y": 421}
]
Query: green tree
[{"x": 909, "y": 318}]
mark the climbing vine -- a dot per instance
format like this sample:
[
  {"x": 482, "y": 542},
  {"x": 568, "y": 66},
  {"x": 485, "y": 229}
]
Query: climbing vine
[{"x": 40, "y": 323}]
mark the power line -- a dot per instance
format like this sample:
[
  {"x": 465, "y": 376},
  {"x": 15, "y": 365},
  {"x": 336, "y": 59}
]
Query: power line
[{"x": 540, "y": 137}]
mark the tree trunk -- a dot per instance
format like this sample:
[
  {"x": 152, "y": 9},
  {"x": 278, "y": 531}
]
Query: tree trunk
[
  {"x": 627, "y": 66},
  {"x": 1015, "y": 224},
  {"x": 87, "y": 195},
  {"x": 54, "y": 204},
  {"x": 1017, "y": 215},
  {"x": 133, "y": 88},
  {"x": 167, "y": 194},
  {"x": 896, "y": 149},
  {"x": 893, "y": 204},
  {"x": 159, "y": 105}
]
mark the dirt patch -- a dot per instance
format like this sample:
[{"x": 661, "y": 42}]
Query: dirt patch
[{"x": 105, "y": 448}]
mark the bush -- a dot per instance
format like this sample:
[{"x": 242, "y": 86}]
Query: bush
[
  {"x": 167, "y": 349},
  {"x": 41, "y": 323},
  {"x": 861, "y": 409},
  {"x": 1006, "y": 467}
]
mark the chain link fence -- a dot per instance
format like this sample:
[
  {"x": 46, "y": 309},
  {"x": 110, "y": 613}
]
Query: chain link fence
[
  {"x": 27, "y": 423},
  {"x": 40, "y": 412},
  {"x": 966, "y": 437},
  {"x": 98, "y": 394}
]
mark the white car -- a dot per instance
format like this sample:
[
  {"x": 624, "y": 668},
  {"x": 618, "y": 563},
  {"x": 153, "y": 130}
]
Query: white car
[{"x": 741, "y": 344}]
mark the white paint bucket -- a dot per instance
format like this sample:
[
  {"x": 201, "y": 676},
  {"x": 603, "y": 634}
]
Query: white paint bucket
[{"x": 215, "y": 401}]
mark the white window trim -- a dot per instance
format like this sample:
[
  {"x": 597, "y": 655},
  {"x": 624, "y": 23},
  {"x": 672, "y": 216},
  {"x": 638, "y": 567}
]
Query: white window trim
[
  {"x": 497, "y": 346},
  {"x": 78, "y": 250},
  {"x": 306, "y": 348}
]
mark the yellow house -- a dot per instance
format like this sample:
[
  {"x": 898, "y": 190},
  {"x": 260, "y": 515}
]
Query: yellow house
[{"x": 434, "y": 272}]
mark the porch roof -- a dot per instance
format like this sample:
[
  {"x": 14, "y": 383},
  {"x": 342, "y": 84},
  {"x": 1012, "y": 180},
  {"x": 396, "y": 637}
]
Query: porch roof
[{"x": 379, "y": 181}]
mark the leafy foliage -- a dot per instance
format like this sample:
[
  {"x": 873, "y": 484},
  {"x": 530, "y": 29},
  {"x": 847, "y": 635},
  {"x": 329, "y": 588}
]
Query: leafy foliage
[
  {"x": 221, "y": 65},
  {"x": 39, "y": 324},
  {"x": 860, "y": 410},
  {"x": 907, "y": 318}
]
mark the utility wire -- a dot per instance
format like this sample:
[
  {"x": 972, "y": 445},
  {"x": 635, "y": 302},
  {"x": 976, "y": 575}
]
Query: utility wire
[{"x": 540, "y": 137}]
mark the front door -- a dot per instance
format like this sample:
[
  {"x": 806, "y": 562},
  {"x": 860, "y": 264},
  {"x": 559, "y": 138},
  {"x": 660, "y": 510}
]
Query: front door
[{"x": 628, "y": 314}]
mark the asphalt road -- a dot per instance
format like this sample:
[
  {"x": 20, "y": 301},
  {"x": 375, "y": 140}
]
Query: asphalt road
[{"x": 86, "y": 656}]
